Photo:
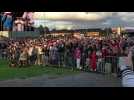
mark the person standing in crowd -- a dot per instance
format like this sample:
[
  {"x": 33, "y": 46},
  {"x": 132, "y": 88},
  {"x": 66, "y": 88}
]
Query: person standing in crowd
[
  {"x": 46, "y": 56},
  {"x": 43, "y": 51},
  {"x": 42, "y": 54},
  {"x": 83, "y": 56},
  {"x": 68, "y": 55},
  {"x": 71, "y": 50},
  {"x": 116, "y": 52},
  {"x": 93, "y": 59},
  {"x": 34, "y": 55},
  {"x": 99, "y": 59},
  {"x": 50, "y": 53},
  {"x": 30, "y": 56},
  {"x": 23, "y": 57},
  {"x": 55, "y": 54},
  {"x": 78, "y": 57},
  {"x": 61, "y": 53},
  {"x": 88, "y": 53},
  {"x": 39, "y": 55},
  {"x": 17, "y": 55}
]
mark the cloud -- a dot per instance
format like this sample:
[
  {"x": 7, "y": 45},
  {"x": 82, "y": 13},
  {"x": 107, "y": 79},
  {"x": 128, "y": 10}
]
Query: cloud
[
  {"x": 126, "y": 16},
  {"x": 86, "y": 20},
  {"x": 69, "y": 16}
]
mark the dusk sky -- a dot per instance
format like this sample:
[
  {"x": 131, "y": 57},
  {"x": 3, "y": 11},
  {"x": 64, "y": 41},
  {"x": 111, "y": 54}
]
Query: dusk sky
[{"x": 75, "y": 20}]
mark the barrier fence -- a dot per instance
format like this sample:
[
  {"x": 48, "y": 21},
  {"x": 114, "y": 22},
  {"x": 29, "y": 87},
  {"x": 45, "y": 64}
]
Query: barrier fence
[
  {"x": 105, "y": 65},
  {"x": 108, "y": 65}
]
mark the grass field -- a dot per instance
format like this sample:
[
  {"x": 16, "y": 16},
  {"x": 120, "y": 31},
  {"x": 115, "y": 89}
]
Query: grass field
[{"x": 7, "y": 72}]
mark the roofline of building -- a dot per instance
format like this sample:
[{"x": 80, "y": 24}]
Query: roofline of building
[{"x": 77, "y": 30}]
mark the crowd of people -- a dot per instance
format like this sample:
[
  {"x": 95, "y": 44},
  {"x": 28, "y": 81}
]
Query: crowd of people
[{"x": 84, "y": 53}]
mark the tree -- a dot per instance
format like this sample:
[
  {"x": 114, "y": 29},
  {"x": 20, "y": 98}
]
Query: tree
[
  {"x": 41, "y": 30},
  {"x": 46, "y": 30},
  {"x": 107, "y": 32},
  {"x": 54, "y": 29}
]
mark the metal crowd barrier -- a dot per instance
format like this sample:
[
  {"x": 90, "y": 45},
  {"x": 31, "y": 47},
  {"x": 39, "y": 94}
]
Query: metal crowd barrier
[{"x": 108, "y": 65}]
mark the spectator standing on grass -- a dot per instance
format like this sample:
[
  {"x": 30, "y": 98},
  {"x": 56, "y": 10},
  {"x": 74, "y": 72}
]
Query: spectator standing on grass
[
  {"x": 68, "y": 55},
  {"x": 83, "y": 56},
  {"x": 43, "y": 50},
  {"x": 50, "y": 53},
  {"x": 93, "y": 59},
  {"x": 73, "y": 55},
  {"x": 55, "y": 54},
  {"x": 34, "y": 55},
  {"x": 17, "y": 55},
  {"x": 3, "y": 54},
  {"x": 46, "y": 55},
  {"x": 23, "y": 57},
  {"x": 42, "y": 54},
  {"x": 78, "y": 57},
  {"x": 61, "y": 53},
  {"x": 30, "y": 50},
  {"x": 87, "y": 54},
  {"x": 39, "y": 54}
]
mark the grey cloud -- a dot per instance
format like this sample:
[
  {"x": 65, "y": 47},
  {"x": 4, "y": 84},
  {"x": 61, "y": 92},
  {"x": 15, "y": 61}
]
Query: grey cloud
[{"x": 103, "y": 19}]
